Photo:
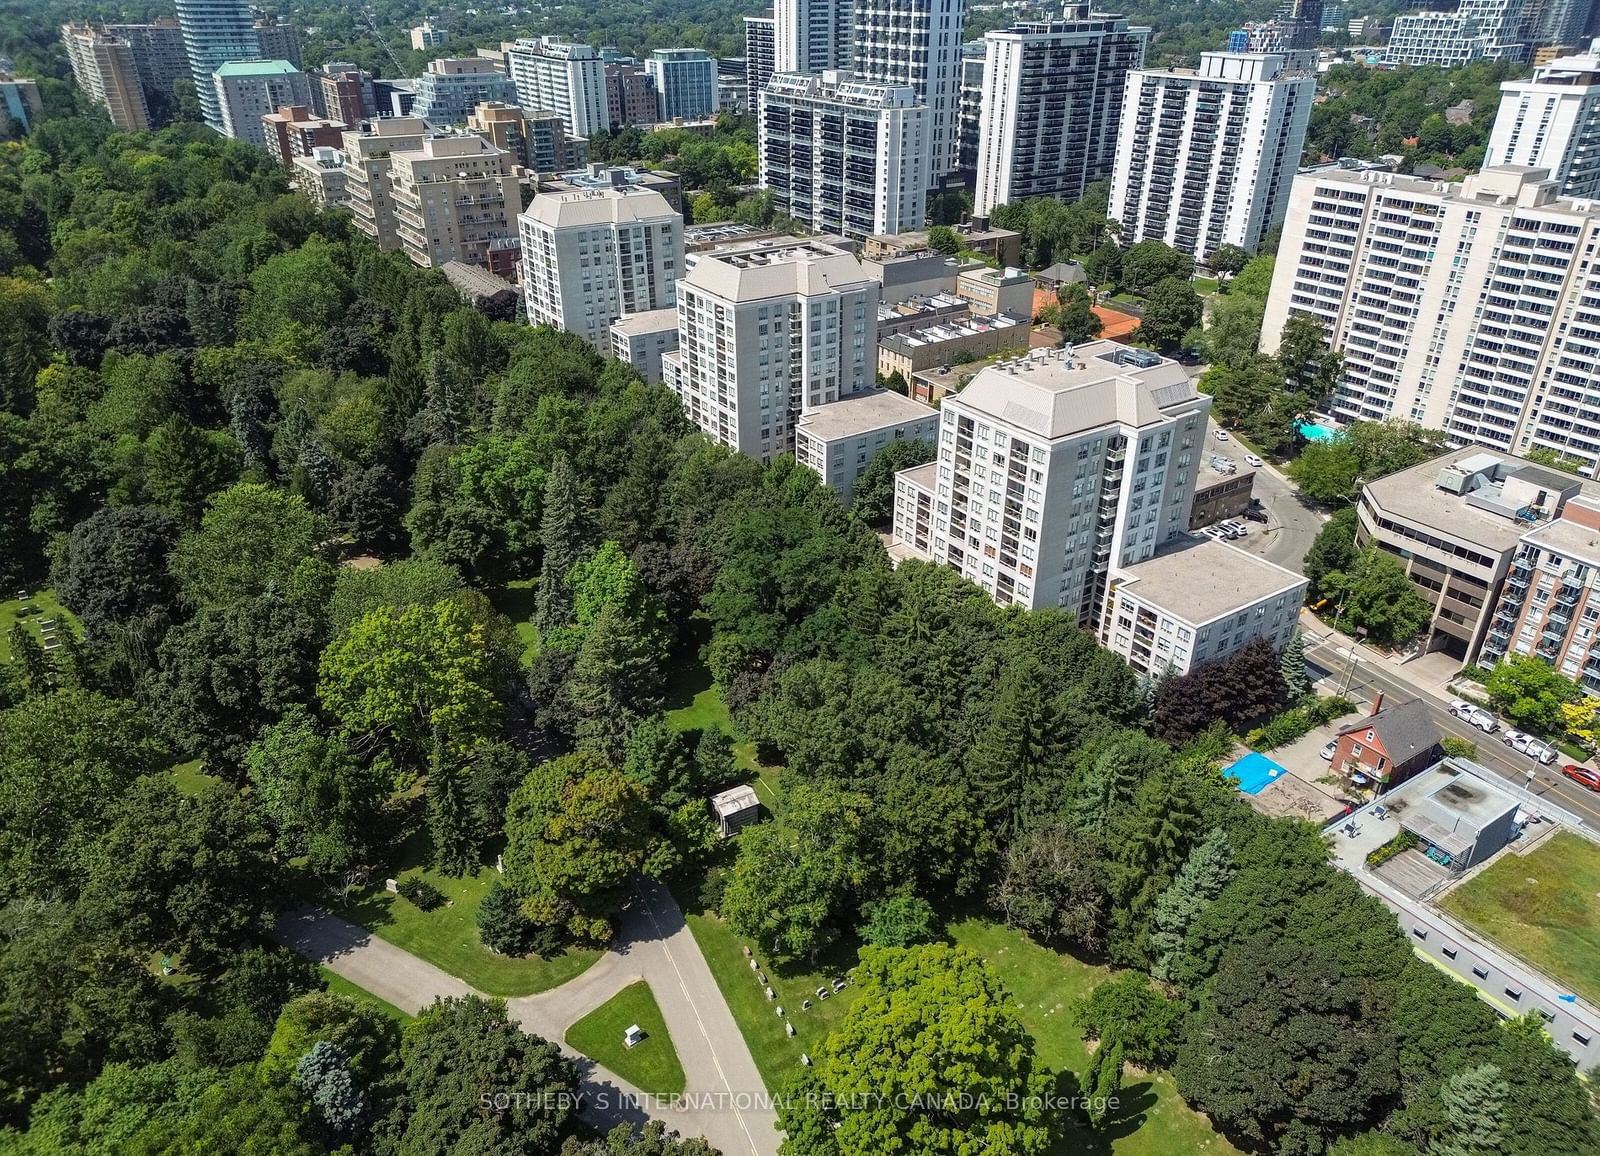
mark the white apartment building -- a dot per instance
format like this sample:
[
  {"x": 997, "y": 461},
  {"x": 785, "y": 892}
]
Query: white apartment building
[
  {"x": 455, "y": 199},
  {"x": 844, "y": 155},
  {"x": 1553, "y": 122},
  {"x": 566, "y": 78},
  {"x": 1198, "y": 601},
  {"x": 1476, "y": 29},
  {"x": 769, "y": 329},
  {"x": 589, "y": 257},
  {"x": 367, "y": 158},
  {"x": 103, "y": 66},
  {"x": 1206, "y": 157},
  {"x": 1056, "y": 467},
  {"x": 811, "y": 35},
  {"x": 838, "y": 442},
  {"x": 248, "y": 90},
  {"x": 641, "y": 338},
  {"x": 322, "y": 178},
  {"x": 917, "y": 43},
  {"x": 1472, "y": 307},
  {"x": 1052, "y": 104}
]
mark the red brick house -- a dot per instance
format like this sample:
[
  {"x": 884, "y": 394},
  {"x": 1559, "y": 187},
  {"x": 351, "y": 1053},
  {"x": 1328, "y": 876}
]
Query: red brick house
[{"x": 1388, "y": 746}]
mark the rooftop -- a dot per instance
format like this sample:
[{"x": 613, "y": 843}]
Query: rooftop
[
  {"x": 950, "y": 331},
  {"x": 255, "y": 68},
  {"x": 1405, "y": 729},
  {"x": 735, "y": 800},
  {"x": 1059, "y": 392},
  {"x": 863, "y": 413},
  {"x": 599, "y": 207},
  {"x": 1487, "y": 499},
  {"x": 1449, "y": 806},
  {"x": 1569, "y": 539},
  {"x": 1200, "y": 579},
  {"x": 650, "y": 321},
  {"x": 804, "y": 268},
  {"x": 473, "y": 281},
  {"x": 925, "y": 476}
]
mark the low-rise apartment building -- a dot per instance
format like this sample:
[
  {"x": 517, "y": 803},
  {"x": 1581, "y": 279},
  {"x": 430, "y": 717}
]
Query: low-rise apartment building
[
  {"x": 1196, "y": 601},
  {"x": 1219, "y": 495},
  {"x": 839, "y": 441},
  {"x": 1455, "y": 522},
  {"x": 641, "y": 338},
  {"x": 976, "y": 337},
  {"x": 294, "y": 131},
  {"x": 996, "y": 290},
  {"x": 322, "y": 178}
]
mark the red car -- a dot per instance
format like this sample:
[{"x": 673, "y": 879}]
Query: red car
[{"x": 1583, "y": 776}]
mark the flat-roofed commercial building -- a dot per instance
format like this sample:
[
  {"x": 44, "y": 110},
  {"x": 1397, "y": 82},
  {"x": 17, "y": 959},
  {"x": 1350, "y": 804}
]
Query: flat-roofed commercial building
[{"x": 1456, "y": 522}]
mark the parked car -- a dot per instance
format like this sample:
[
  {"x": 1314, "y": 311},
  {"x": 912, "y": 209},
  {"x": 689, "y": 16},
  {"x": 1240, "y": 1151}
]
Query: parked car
[
  {"x": 1583, "y": 776},
  {"x": 1222, "y": 436},
  {"x": 1216, "y": 532},
  {"x": 1235, "y": 528},
  {"x": 1540, "y": 752},
  {"x": 1328, "y": 748},
  {"x": 1253, "y": 461},
  {"x": 1516, "y": 740},
  {"x": 1224, "y": 465},
  {"x": 1460, "y": 707},
  {"x": 1256, "y": 514},
  {"x": 1483, "y": 720}
]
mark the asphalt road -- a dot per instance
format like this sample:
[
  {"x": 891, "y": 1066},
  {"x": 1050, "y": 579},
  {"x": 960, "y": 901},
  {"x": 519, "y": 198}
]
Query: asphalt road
[
  {"x": 1292, "y": 523},
  {"x": 1370, "y": 676}
]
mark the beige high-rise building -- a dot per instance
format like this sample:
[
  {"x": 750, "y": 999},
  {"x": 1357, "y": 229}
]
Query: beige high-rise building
[
  {"x": 104, "y": 67},
  {"x": 590, "y": 256},
  {"x": 456, "y": 199},
  {"x": 1473, "y": 308},
  {"x": 367, "y": 157}
]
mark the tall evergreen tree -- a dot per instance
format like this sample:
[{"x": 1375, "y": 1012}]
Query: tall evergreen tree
[
  {"x": 1019, "y": 744},
  {"x": 1204, "y": 874},
  {"x": 565, "y": 533},
  {"x": 1292, "y": 666},
  {"x": 450, "y": 821},
  {"x": 1107, "y": 1082}
]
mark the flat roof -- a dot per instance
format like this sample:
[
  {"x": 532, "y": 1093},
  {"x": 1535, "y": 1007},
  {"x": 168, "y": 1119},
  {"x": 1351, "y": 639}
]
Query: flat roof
[
  {"x": 255, "y": 68},
  {"x": 861, "y": 414},
  {"x": 923, "y": 476},
  {"x": 1414, "y": 494},
  {"x": 1200, "y": 579},
  {"x": 1568, "y": 539},
  {"x": 802, "y": 268},
  {"x": 649, "y": 321}
]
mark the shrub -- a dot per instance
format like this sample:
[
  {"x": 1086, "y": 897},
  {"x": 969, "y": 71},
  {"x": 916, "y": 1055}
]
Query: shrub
[
  {"x": 1404, "y": 841},
  {"x": 420, "y": 892},
  {"x": 1459, "y": 748},
  {"x": 501, "y": 924},
  {"x": 1297, "y": 722}
]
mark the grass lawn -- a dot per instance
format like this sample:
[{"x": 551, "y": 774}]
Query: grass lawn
[
  {"x": 1154, "y": 1120},
  {"x": 190, "y": 779},
  {"x": 339, "y": 985},
  {"x": 515, "y": 601},
  {"x": 1541, "y": 906},
  {"x": 777, "y": 1055},
  {"x": 650, "y": 1065},
  {"x": 447, "y": 936},
  {"x": 46, "y": 606},
  {"x": 1205, "y": 286},
  {"x": 695, "y": 703}
]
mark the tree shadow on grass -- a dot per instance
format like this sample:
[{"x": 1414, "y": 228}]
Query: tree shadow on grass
[{"x": 1071, "y": 1134}]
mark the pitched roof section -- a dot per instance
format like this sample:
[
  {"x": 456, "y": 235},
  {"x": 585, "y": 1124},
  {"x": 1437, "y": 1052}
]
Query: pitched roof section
[
  {"x": 1404, "y": 730},
  {"x": 1060, "y": 392},
  {"x": 621, "y": 206}
]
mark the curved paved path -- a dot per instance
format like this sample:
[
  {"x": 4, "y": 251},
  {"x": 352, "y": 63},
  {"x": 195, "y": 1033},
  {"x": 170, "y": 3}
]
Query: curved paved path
[{"x": 724, "y": 1100}]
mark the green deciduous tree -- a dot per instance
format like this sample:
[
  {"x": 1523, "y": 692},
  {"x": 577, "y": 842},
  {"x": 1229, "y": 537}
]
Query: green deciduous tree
[
  {"x": 915, "y": 1073},
  {"x": 1333, "y": 551},
  {"x": 1075, "y": 315},
  {"x": 1530, "y": 692},
  {"x": 1281, "y": 1043},
  {"x": 460, "y": 1050},
  {"x": 1053, "y": 886},
  {"x": 873, "y": 501},
  {"x": 400, "y": 680},
  {"x": 1171, "y": 310},
  {"x": 798, "y": 876},
  {"x": 1148, "y": 263},
  {"x": 112, "y": 570},
  {"x": 899, "y": 921},
  {"x": 1375, "y": 594},
  {"x": 1130, "y": 1013},
  {"x": 577, "y": 831},
  {"x": 250, "y": 539}
]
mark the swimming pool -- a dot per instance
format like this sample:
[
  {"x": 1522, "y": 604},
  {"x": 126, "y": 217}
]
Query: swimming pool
[
  {"x": 1253, "y": 772},
  {"x": 1313, "y": 432}
]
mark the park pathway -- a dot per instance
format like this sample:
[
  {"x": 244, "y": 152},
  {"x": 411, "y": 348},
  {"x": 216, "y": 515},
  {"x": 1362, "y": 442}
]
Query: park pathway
[{"x": 724, "y": 1098}]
